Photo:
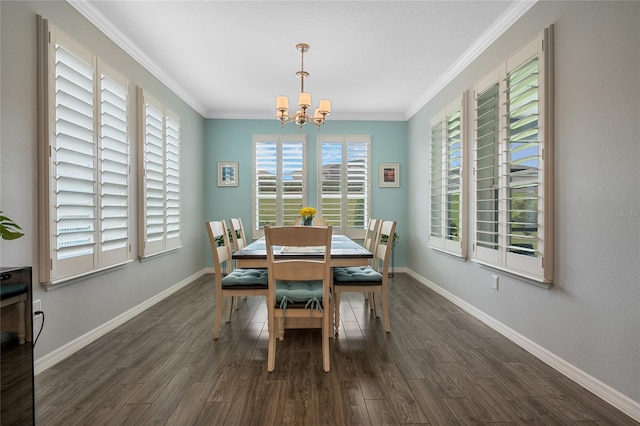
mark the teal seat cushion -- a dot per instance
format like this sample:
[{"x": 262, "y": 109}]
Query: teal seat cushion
[
  {"x": 246, "y": 278},
  {"x": 355, "y": 275},
  {"x": 298, "y": 291}
]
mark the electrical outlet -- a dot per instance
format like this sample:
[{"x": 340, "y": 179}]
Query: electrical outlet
[
  {"x": 495, "y": 283},
  {"x": 37, "y": 306}
]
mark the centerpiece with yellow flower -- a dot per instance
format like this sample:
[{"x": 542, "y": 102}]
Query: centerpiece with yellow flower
[{"x": 307, "y": 214}]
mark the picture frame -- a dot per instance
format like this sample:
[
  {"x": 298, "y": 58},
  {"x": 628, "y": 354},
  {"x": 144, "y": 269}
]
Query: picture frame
[
  {"x": 389, "y": 175},
  {"x": 227, "y": 173}
]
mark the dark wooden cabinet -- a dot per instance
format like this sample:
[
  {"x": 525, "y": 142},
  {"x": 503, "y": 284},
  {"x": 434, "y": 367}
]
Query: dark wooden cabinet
[{"x": 17, "y": 398}]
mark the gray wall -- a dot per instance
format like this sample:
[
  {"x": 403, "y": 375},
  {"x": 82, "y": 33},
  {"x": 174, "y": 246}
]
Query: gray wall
[
  {"x": 74, "y": 310},
  {"x": 590, "y": 317}
]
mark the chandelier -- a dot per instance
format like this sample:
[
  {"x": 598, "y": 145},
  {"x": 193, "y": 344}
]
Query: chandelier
[{"x": 304, "y": 101}]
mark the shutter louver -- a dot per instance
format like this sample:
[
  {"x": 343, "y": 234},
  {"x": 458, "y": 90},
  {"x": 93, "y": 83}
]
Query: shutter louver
[
  {"x": 453, "y": 169},
  {"x": 266, "y": 175},
  {"x": 160, "y": 218},
  {"x": 172, "y": 175},
  {"x": 446, "y": 179},
  {"x": 344, "y": 182},
  {"x": 436, "y": 184},
  {"x": 154, "y": 174},
  {"x": 292, "y": 181},
  {"x": 357, "y": 185},
  {"x": 332, "y": 183},
  {"x": 523, "y": 159},
  {"x": 486, "y": 168},
  {"x": 114, "y": 160},
  {"x": 279, "y": 180},
  {"x": 159, "y": 151},
  {"x": 74, "y": 159}
]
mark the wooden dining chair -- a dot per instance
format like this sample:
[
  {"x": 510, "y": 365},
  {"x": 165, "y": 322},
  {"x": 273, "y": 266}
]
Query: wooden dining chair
[
  {"x": 317, "y": 221},
  {"x": 371, "y": 234},
  {"x": 237, "y": 231},
  {"x": 371, "y": 238},
  {"x": 374, "y": 279},
  {"x": 238, "y": 282},
  {"x": 299, "y": 288}
]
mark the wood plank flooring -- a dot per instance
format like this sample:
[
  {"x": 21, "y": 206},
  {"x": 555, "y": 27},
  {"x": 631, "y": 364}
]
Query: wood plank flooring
[{"x": 438, "y": 366}]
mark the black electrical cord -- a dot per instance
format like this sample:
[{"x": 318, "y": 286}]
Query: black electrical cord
[{"x": 41, "y": 326}]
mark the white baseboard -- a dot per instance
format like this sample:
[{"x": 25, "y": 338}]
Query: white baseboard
[
  {"x": 52, "y": 358},
  {"x": 602, "y": 390}
]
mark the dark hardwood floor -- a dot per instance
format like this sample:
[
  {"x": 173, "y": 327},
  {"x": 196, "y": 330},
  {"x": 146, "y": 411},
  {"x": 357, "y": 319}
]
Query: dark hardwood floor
[{"x": 438, "y": 366}]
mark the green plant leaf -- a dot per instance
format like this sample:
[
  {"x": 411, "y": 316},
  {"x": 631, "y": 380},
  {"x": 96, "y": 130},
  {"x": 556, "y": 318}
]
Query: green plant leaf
[{"x": 9, "y": 230}]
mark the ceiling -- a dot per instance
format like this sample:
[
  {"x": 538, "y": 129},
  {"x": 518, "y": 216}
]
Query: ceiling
[{"x": 375, "y": 60}]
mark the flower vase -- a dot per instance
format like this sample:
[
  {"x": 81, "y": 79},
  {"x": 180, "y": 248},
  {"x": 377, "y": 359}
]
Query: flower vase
[{"x": 307, "y": 221}]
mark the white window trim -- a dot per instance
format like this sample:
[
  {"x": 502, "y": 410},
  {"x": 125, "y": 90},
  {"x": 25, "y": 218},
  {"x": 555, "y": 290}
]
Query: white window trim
[
  {"x": 442, "y": 243},
  {"x": 168, "y": 235},
  {"x": 354, "y": 233},
  {"x": 538, "y": 269},
  {"x": 256, "y": 230},
  {"x": 105, "y": 250}
]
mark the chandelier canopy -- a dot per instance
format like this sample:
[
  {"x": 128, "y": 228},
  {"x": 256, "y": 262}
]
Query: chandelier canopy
[{"x": 304, "y": 101}]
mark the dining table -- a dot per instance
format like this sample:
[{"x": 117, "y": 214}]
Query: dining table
[{"x": 344, "y": 252}]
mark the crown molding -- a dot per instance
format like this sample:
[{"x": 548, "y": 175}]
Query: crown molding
[
  {"x": 87, "y": 10},
  {"x": 504, "y": 22}
]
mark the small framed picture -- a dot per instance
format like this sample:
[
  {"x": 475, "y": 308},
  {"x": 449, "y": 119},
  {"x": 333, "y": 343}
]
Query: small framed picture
[
  {"x": 227, "y": 173},
  {"x": 389, "y": 175}
]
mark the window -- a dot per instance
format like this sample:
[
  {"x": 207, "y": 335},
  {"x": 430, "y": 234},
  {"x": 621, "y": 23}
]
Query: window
[
  {"x": 343, "y": 176},
  {"x": 84, "y": 156},
  {"x": 160, "y": 180},
  {"x": 447, "y": 180},
  {"x": 513, "y": 164},
  {"x": 279, "y": 182}
]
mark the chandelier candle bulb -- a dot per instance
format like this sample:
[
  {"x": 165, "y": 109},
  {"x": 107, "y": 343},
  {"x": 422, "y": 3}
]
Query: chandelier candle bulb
[
  {"x": 304, "y": 101},
  {"x": 282, "y": 103},
  {"x": 325, "y": 106}
]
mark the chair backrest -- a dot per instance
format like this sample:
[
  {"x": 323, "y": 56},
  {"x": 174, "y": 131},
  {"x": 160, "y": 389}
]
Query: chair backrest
[
  {"x": 237, "y": 231},
  {"x": 382, "y": 253},
  {"x": 298, "y": 269},
  {"x": 372, "y": 234},
  {"x": 319, "y": 221},
  {"x": 220, "y": 245}
]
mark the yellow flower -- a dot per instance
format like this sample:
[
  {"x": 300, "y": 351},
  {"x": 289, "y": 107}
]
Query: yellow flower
[{"x": 308, "y": 212}]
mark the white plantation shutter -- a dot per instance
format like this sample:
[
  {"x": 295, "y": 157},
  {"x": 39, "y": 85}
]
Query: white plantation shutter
[
  {"x": 343, "y": 176},
  {"x": 172, "y": 179},
  {"x": 84, "y": 214},
  {"x": 278, "y": 180},
  {"x": 73, "y": 161},
  {"x": 293, "y": 180},
  {"x": 357, "y": 208},
  {"x": 265, "y": 183},
  {"x": 159, "y": 220},
  {"x": 513, "y": 178},
  {"x": 486, "y": 171},
  {"x": 332, "y": 183},
  {"x": 436, "y": 182},
  {"x": 114, "y": 170},
  {"x": 447, "y": 180}
]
